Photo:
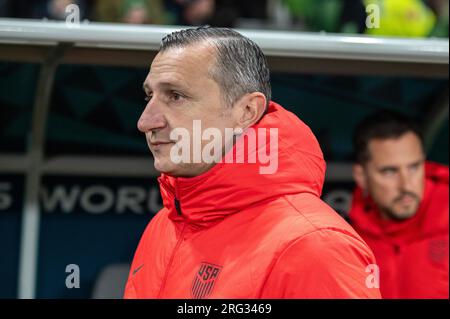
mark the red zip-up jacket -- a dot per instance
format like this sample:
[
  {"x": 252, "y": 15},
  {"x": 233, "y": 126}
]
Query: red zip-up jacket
[
  {"x": 412, "y": 254},
  {"x": 235, "y": 233}
]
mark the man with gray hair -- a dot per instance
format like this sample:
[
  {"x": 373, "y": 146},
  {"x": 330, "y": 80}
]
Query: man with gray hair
[{"x": 241, "y": 179}]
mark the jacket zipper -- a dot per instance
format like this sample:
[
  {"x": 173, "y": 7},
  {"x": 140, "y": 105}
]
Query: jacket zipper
[
  {"x": 169, "y": 265},
  {"x": 177, "y": 206},
  {"x": 176, "y": 200}
]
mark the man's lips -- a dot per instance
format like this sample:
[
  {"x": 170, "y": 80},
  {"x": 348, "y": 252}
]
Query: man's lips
[
  {"x": 406, "y": 200},
  {"x": 157, "y": 143}
]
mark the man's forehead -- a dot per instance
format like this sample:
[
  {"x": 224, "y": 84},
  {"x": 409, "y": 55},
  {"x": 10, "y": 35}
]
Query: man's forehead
[
  {"x": 165, "y": 76},
  {"x": 407, "y": 141},
  {"x": 406, "y": 149},
  {"x": 200, "y": 54},
  {"x": 176, "y": 65}
]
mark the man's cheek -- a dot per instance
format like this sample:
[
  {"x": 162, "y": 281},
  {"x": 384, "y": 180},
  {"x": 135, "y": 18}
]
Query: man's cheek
[{"x": 385, "y": 194}]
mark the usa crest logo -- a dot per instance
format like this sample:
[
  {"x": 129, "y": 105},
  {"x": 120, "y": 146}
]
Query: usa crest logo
[{"x": 204, "y": 280}]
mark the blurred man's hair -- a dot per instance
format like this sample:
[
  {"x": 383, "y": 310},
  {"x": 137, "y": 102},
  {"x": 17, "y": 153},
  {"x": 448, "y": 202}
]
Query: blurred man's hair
[
  {"x": 381, "y": 125},
  {"x": 240, "y": 67}
]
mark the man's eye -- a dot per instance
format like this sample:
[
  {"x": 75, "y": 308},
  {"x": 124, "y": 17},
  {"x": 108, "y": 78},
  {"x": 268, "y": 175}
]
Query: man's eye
[
  {"x": 148, "y": 97},
  {"x": 176, "y": 96},
  {"x": 388, "y": 172}
]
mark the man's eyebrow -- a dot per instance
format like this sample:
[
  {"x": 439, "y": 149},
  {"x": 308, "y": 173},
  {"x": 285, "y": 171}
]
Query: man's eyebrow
[
  {"x": 416, "y": 163},
  {"x": 164, "y": 85},
  {"x": 387, "y": 167}
]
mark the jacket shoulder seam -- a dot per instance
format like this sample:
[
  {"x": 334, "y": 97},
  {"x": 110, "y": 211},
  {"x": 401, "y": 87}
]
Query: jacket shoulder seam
[
  {"x": 337, "y": 229},
  {"x": 298, "y": 211}
]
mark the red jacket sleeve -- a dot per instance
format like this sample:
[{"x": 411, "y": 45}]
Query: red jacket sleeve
[
  {"x": 323, "y": 264},
  {"x": 130, "y": 292}
]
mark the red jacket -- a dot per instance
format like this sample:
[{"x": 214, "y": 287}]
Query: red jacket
[
  {"x": 413, "y": 254},
  {"x": 234, "y": 233}
]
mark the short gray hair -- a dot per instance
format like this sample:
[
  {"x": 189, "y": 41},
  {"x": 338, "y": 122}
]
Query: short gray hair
[{"x": 241, "y": 66}]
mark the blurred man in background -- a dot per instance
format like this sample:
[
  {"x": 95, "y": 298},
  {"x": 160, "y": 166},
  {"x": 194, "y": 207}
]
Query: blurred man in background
[
  {"x": 56, "y": 9},
  {"x": 179, "y": 12},
  {"x": 130, "y": 11},
  {"x": 401, "y": 207},
  {"x": 190, "y": 12}
]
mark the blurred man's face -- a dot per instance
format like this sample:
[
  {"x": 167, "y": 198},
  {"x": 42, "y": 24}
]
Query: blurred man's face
[
  {"x": 180, "y": 90},
  {"x": 136, "y": 15},
  {"x": 394, "y": 176},
  {"x": 199, "y": 11}
]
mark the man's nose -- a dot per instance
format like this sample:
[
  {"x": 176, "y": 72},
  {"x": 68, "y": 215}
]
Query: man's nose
[
  {"x": 405, "y": 181},
  {"x": 151, "y": 119}
]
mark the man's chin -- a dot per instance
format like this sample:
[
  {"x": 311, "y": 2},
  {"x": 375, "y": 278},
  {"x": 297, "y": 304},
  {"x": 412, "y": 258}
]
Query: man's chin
[
  {"x": 401, "y": 215},
  {"x": 171, "y": 169},
  {"x": 164, "y": 167}
]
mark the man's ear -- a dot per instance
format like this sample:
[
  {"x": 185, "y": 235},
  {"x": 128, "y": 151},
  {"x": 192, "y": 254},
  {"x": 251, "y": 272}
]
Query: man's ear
[
  {"x": 359, "y": 176},
  {"x": 249, "y": 109}
]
